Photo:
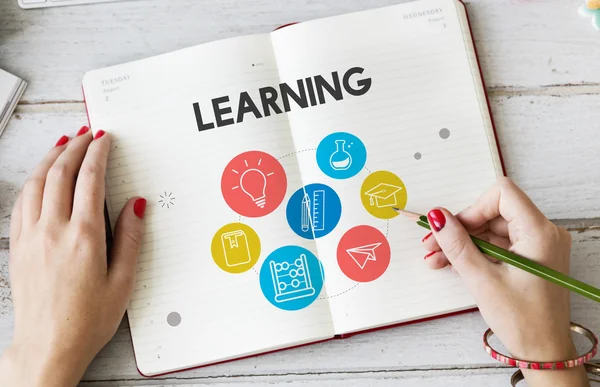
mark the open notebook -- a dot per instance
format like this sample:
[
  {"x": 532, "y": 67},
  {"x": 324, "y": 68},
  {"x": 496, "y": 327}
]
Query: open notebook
[
  {"x": 11, "y": 90},
  {"x": 271, "y": 164}
]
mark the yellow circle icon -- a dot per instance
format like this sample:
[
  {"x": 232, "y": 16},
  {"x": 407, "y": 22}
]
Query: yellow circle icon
[
  {"x": 380, "y": 192},
  {"x": 235, "y": 248}
]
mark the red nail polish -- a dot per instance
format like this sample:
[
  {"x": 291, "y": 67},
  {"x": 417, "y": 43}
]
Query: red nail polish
[
  {"x": 139, "y": 207},
  {"x": 62, "y": 141},
  {"x": 426, "y": 237},
  {"x": 99, "y": 134},
  {"x": 430, "y": 254},
  {"x": 437, "y": 220},
  {"x": 83, "y": 130}
]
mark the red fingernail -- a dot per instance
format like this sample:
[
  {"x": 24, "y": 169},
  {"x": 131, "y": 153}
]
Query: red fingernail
[
  {"x": 62, "y": 141},
  {"x": 426, "y": 237},
  {"x": 99, "y": 134},
  {"x": 429, "y": 255},
  {"x": 139, "y": 207},
  {"x": 83, "y": 130},
  {"x": 437, "y": 220}
]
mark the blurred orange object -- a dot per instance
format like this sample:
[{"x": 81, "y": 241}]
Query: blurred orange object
[{"x": 593, "y": 4}]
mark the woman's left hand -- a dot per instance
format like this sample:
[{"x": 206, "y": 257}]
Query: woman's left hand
[{"x": 68, "y": 297}]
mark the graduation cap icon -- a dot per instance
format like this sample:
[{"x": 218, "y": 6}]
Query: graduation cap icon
[
  {"x": 363, "y": 254},
  {"x": 383, "y": 195}
]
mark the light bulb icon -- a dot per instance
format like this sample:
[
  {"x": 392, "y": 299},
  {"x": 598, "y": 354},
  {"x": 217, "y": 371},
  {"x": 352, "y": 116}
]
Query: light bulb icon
[{"x": 254, "y": 183}]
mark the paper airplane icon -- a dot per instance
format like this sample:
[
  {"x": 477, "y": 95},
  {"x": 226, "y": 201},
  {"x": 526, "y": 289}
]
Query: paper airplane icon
[{"x": 362, "y": 254}]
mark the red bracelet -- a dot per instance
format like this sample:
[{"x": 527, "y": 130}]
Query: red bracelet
[{"x": 545, "y": 365}]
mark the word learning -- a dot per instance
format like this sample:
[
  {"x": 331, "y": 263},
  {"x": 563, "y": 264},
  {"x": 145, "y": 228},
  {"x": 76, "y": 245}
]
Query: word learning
[{"x": 309, "y": 92}]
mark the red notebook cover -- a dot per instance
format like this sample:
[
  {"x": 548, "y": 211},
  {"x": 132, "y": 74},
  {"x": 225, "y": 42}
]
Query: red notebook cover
[{"x": 344, "y": 336}]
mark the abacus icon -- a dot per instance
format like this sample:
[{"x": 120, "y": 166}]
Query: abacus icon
[{"x": 291, "y": 281}]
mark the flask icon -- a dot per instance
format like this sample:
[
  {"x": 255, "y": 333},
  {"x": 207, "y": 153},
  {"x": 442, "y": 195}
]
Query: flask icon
[{"x": 340, "y": 160}]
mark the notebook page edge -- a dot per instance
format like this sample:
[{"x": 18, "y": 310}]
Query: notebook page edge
[
  {"x": 88, "y": 89},
  {"x": 493, "y": 151},
  {"x": 484, "y": 103}
]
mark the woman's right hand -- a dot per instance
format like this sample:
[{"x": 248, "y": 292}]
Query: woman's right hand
[{"x": 530, "y": 316}]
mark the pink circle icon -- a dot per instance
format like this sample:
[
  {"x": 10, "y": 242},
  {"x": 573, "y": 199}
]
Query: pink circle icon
[
  {"x": 363, "y": 254},
  {"x": 253, "y": 184}
]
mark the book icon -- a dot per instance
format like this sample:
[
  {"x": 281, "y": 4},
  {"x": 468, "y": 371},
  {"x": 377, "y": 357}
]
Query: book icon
[
  {"x": 291, "y": 279},
  {"x": 363, "y": 254},
  {"x": 235, "y": 248},
  {"x": 313, "y": 211}
]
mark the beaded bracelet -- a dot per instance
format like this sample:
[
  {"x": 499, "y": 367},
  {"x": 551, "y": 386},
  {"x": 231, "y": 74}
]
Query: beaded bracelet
[
  {"x": 590, "y": 368},
  {"x": 545, "y": 365}
]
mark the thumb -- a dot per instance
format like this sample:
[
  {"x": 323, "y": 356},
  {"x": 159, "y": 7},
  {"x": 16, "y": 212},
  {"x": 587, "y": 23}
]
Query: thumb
[
  {"x": 458, "y": 247},
  {"x": 127, "y": 243}
]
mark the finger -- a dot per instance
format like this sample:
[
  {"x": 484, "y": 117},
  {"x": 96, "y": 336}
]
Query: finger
[
  {"x": 504, "y": 199},
  {"x": 15, "y": 220},
  {"x": 430, "y": 243},
  {"x": 89, "y": 189},
  {"x": 60, "y": 184},
  {"x": 459, "y": 249},
  {"x": 436, "y": 260},
  {"x": 126, "y": 248},
  {"x": 494, "y": 239},
  {"x": 498, "y": 226},
  {"x": 33, "y": 190}
]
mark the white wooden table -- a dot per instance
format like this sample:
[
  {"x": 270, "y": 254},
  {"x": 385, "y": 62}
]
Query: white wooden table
[{"x": 541, "y": 63}]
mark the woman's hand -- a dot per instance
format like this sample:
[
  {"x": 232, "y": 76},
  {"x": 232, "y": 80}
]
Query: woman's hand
[
  {"x": 528, "y": 314},
  {"x": 68, "y": 298}
]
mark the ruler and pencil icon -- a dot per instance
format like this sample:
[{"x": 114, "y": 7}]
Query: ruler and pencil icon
[{"x": 313, "y": 211}]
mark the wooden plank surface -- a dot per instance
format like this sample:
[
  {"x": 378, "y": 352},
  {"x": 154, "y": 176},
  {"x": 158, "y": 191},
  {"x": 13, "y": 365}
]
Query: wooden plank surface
[
  {"x": 450, "y": 378},
  {"x": 545, "y": 141},
  {"x": 538, "y": 60},
  {"x": 521, "y": 44},
  {"x": 453, "y": 342}
]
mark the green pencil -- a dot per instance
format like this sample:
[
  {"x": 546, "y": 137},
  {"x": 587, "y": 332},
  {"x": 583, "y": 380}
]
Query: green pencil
[{"x": 521, "y": 262}]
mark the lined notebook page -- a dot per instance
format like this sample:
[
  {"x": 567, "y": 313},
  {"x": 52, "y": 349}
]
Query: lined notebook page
[
  {"x": 158, "y": 150},
  {"x": 423, "y": 81}
]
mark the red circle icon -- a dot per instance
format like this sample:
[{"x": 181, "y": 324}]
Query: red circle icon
[
  {"x": 253, "y": 184},
  {"x": 363, "y": 254}
]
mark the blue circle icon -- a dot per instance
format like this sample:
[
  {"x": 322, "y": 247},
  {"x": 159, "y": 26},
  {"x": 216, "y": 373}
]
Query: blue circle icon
[
  {"x": 314, "y": 210},
  {"x": 341, "y": 155},
  {"x": 291, "y": 278}
]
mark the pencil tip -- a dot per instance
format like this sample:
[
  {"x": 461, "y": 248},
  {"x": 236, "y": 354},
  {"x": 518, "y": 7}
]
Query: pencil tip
[{"x": 411, "y": 215}]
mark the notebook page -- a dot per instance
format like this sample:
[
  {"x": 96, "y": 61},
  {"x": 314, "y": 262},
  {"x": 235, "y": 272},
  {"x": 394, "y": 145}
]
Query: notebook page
[
  {"x": 185, "y": 310},
  {"x": 11, "y": 89},
  {"x": 8, "y": 87},
  {"x": 479, "y": 87},
  {"x": 422, "y": 90}
]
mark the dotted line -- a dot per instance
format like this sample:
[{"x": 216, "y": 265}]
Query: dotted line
[
  {"x": 339, "y": 294},
  {"x": 300, "y": 151},
  {"x": 386, "y": 231},
  {"x": 387, "y": 228}
]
